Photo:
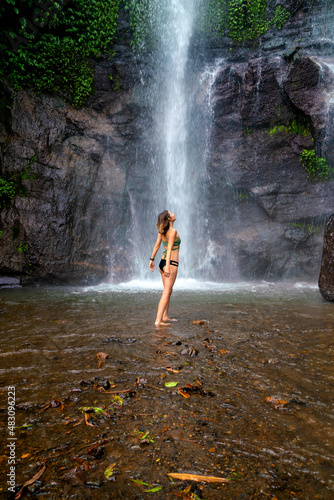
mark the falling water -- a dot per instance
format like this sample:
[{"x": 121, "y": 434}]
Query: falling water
[
  {"x": 176, "y": 39},
  {"x": 175, "y": 169}
]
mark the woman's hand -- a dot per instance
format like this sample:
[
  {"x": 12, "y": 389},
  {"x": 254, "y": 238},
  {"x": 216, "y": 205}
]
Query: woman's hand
[{"x": 152, "y": 266}]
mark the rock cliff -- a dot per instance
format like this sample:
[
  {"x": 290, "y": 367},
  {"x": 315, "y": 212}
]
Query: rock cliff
[{"x": 269, "y": 102}]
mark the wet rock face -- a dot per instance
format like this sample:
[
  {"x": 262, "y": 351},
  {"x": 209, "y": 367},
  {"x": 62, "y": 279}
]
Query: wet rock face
[
  {"x": 326, "y": 278},
  {"x": 65, "y": 229},
  {"x": 266, "y": 112},
  {"x": 69, "y": 227}
]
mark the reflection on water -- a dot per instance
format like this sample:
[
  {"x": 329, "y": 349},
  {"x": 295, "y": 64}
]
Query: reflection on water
[{"x": 258, "y": 341}]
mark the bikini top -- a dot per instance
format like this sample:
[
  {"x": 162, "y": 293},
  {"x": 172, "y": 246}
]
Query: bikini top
[{"x": 176, "y": 245}]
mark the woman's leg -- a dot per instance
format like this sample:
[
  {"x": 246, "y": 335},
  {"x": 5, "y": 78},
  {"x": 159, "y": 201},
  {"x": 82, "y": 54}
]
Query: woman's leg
[{"x": 165, "y": 297}]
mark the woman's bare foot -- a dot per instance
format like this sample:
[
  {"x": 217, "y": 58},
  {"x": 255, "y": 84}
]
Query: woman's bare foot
[
  {"x": 169, "y": 319},
  {"x": 162, "y": 323}
]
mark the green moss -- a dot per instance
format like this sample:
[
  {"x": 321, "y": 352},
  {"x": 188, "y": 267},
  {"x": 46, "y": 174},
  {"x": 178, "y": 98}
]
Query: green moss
[
  {"x": 293, "y": 127},
  {"x": 309, "y": 227}
]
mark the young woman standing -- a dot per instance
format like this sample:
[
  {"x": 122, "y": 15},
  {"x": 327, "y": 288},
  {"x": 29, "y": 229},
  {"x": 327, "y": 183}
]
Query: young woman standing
[{"x": 169, "y": 263}]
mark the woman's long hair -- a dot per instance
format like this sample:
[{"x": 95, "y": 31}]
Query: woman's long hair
[{"x": 163, "y": 222}]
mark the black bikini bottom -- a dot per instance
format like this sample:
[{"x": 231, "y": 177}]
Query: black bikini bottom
[{"x": 163, "y": 263}]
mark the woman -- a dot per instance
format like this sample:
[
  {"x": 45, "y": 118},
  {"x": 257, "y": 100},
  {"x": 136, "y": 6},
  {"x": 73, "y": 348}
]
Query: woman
[{"x": 169, "y": 262}]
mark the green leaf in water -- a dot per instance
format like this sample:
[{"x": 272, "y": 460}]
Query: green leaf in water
[
  {"x": 109, "y": 471},
  {"x": 139, "y": 482},
  {"x": 154, "y": 490},
  {"x": 94, "y": 409},
  {"x": 171, "y": 384}
]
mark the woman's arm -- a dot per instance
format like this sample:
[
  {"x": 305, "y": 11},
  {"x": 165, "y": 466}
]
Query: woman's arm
[
  {"x": 171, "y": 240},
  {"x": 155, "y": 251}
]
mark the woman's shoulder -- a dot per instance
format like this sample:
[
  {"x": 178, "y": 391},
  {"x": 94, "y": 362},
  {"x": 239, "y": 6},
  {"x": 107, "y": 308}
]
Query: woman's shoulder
[{"x": 172, "y": 233}]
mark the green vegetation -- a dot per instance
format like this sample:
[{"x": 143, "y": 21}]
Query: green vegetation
[
  {"x": 23, "y": 248},
  {"x": 317, "y": 168},
  {"x": 7, "y": 191},
  {"x": 10, "y": 186},
  {"x": 293, "y": 127},
  {"x": 310, "y": 228},
  {"x": 241, "y": 20},
  {"x": 48, "y": 45}
]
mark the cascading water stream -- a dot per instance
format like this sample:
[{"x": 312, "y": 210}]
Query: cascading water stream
[
  {"x": 174, "y": 158},
  {"x": 176, "y": 39}
]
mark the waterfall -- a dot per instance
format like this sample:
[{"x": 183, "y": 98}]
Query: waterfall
[
  {"x": 175, "y": 129},
  {"x": 173, "y": 169}
]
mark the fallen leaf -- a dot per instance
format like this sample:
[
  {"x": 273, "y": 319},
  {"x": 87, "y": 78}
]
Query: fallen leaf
[
  {"x": 117, "y": 399},
  {"x": 154, "y": 490},
  {"x": 87, "y": 422},
  {"x": 30, "y": 481},
  {"x": 191, "y": 351},
  {"x": 276, "y": 401},
  {"x": 223, "y": 351},
  {"x": 171, "y": 384},
  {"x": 196, "y": 477},
  {"x": 173, "y": 370},
  {"x": 198, "y": 322},
  {"x": 139, "y": 482},
  {"x": 102, "y": 355},
  {"x": 109, "y": 470},
  {"x": 79, "y": 422},
  {"x": 184, "y": 394}
]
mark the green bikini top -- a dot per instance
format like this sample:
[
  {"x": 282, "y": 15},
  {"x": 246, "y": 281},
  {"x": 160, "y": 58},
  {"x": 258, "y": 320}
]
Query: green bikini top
[{"x": 176, "y": 245}]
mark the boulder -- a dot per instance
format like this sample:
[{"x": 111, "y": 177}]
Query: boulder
[{"x": 326, "y": 277}]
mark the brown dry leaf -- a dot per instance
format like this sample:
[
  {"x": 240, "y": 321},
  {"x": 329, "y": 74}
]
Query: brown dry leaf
[
  {"x": 102, "y": 355},
  {"x": 198, "y": 322},
  {"x": 165, "y": 429},
  {"x": 72, "y": 421},
  {"x": 79, "y": 422},
  {"x": 170, "y": 369},
  {"x": 25, "y": 455},
  {"x": 87, "y": 422},
  {"x": 184, "y": 394},
  {"x": 276, "y": 401},
  {"x": 196, "y": 477},
  {"x": 55, "y": 403},
  {"x": 31, "y": 481},
  {"x": 223, "y": 351}
]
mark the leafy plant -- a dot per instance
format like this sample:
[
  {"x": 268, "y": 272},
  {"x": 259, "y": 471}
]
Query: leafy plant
[
  {"x": 317, "y": 168},
  {"x": 241, "y": 19},
  {"x": 293, "y": 127},
  {"x": 7, "y": 191},
  {"x": 22, "y": 248},
  {"x": 48, "y": 46}
]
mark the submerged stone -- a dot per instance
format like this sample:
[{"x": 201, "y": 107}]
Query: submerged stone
[{"x": 326, "y": 278}]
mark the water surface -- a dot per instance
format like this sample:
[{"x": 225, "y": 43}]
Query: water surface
[{"x": 257, "y": 340}]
